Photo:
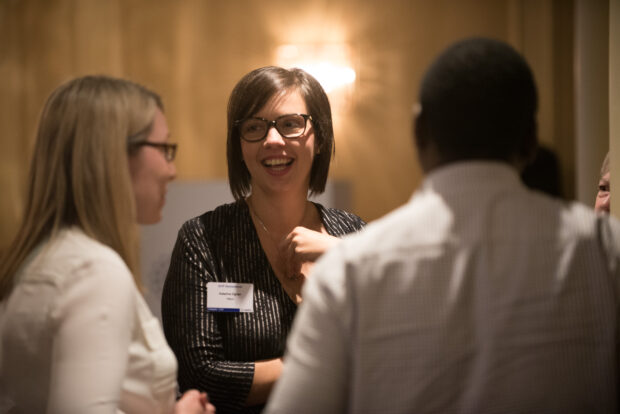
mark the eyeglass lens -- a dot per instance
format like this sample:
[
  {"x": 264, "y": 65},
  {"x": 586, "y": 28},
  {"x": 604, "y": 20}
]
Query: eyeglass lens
[
  {"x": 170, "y": 151},
  {"x": 289, "y": 126}
]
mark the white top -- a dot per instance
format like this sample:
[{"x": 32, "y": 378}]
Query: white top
[
  {"x": 77, "y": 336},
  {"x": 478, "y": 296}
]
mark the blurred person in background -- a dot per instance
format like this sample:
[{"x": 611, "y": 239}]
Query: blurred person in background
[
  {"x": 543, "y": 173},
  {"x": 603, "y": 196}
]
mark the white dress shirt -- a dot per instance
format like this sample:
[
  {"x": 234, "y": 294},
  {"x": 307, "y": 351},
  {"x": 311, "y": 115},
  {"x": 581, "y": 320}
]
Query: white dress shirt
[
  {"x": 77, "y": 336},
  {"x": 478, "y": 296}
]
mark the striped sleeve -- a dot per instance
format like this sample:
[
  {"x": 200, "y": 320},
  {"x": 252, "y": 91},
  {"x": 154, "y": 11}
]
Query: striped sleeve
[{"x": 193, "y": 333}]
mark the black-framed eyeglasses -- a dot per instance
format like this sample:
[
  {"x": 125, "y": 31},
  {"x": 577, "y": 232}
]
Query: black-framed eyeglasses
[
  {"x": 288, "y": 126},
  {"x": 169, "y": 150}
]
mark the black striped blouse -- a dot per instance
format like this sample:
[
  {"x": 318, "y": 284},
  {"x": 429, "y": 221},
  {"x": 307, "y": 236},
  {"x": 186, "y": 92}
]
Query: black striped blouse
[{"x": 216, "y": 350}]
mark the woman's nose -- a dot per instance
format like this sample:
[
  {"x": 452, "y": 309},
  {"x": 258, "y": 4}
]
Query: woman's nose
[
  {"x": 273, "y": 137},
  {"x": 607, "y": 202},
  {"x": 172, "y": 171}
]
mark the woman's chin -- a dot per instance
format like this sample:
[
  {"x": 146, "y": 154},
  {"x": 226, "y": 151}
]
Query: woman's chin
[{"x": 152, "y": 217}]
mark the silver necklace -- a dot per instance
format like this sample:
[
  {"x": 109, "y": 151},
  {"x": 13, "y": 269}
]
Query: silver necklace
[
  {"x": 247, "y": 201},
  {"x": 259, "y": 221},
  {"x": 269, "y": 235},
  {"x": 274, "y": 243},
  {"x": 262, "y": 224}
]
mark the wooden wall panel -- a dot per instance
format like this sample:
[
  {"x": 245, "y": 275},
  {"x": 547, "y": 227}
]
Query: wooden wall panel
[
  {"x": 194, "y": 51},
  {"x": 13, "y": 153},
  {"x": 96, "y": 38},
  {"x": 614, "y": 97},
  {"x": 563, "y": 113}
]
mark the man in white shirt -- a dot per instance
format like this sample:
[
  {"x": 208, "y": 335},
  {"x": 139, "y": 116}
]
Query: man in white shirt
[{"x": 478, "y": 295}]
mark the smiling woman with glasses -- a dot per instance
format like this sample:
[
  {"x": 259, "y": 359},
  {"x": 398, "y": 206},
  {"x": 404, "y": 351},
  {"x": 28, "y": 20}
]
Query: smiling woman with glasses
[{"x": 260, "y": 248}]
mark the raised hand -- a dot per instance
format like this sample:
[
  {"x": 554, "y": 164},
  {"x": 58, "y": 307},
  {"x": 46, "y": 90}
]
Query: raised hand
[{"x": 302, "y": 247}]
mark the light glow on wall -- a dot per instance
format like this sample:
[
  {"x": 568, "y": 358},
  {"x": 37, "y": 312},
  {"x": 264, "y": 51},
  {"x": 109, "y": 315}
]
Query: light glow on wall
[
  {"x": 329, "y": 75},
  {"x": 330, "y": 64}
]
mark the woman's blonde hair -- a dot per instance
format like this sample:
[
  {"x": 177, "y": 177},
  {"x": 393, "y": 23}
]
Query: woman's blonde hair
[{"x": 79, "y": 173}]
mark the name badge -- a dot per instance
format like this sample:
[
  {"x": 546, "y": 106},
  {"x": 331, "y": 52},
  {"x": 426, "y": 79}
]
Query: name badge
[{"x": 230, "y": 297}]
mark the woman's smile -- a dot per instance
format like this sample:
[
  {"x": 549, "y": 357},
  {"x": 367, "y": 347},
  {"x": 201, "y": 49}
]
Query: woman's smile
[{"x": 278, "y": 165}]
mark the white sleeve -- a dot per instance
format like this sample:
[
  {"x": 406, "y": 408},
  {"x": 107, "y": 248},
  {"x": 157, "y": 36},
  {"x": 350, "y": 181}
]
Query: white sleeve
[
  {"x": 315, "y": 376},
  {"x": 94, "y": 318}
]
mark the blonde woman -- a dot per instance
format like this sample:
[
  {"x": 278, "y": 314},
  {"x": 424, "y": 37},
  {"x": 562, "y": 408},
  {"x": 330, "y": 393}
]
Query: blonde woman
[{"x": 76, "y": 334}]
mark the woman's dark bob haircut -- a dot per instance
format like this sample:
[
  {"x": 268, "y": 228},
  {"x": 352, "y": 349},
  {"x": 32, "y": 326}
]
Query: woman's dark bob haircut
[{"x": 251, "y": 93}]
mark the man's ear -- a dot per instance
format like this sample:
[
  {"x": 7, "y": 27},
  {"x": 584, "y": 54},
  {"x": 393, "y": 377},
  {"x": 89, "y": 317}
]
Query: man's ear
[
  {"x": 428, "y": 156},
  {"x": 420, "y": 135}
]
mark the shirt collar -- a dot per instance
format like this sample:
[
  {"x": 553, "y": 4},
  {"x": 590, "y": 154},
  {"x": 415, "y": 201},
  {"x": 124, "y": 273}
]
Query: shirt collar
[{"x": 472, "y": 175}]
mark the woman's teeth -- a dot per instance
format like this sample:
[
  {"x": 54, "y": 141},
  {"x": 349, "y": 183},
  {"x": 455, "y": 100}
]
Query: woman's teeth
[{"x": 277, "y": 162}]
